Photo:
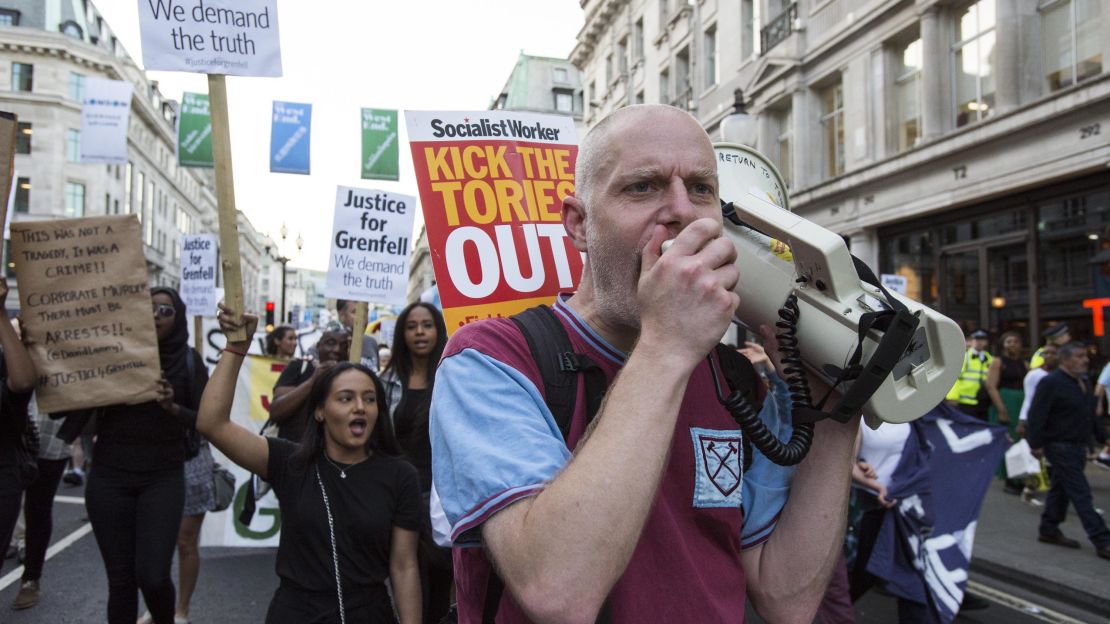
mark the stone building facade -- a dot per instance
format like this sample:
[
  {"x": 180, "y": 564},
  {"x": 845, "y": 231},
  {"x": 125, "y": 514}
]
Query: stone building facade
[
  {"x": 962, "y": 144},
  {"x": 48, "y": 49}
]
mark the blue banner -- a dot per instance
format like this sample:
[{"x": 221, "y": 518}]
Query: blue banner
[
  {"x": 289, "y": 138},
  {"x": 923, "y": 550}
]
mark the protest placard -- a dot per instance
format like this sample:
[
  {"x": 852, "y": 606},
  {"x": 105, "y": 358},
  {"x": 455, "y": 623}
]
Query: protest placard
[
  {"x": 105, "y": 111},
  {"x": 379, "y": 144},
  {"x": 290, "y": 135},
  {"x": 198, "y": 274},
  {"x": 87, "y": 311},
  {"x": 894, "y": 283},
  {"x": 9, "y": 128},
  {"x": 491, "y": 186},
  {"x": 230, "y": 37},
  {"x": 371, "y": 236},
  {"x": 194, "y": 131},
  {"x": 251, "y": 409}
]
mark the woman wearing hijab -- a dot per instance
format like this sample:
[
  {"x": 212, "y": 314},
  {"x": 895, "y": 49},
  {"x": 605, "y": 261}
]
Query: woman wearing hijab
[{"x": 136, "y": 489}]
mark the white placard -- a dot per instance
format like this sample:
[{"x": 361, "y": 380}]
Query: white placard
[
  {"x": 233, "y": 37},
  {"x": 370, "y": 246},
  {"x": 198, "y": 274},
  {"x": 894, "y": 283},
  {"x": 105, "y": 112},
  {"x": 389, "y": 326}
]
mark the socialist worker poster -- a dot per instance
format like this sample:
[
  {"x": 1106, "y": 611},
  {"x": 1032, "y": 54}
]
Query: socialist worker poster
[{"x": 492, "y": 185}]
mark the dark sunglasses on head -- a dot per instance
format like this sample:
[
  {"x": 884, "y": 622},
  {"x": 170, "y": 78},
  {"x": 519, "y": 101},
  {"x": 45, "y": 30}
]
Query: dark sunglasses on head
[{"x": 164, "y": 310}]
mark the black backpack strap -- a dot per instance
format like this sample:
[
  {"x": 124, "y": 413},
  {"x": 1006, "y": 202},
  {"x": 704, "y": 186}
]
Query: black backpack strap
[{"x": 559, "y": 367}]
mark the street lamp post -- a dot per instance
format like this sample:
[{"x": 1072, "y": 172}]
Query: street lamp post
[{"x": 283, "y": 259}]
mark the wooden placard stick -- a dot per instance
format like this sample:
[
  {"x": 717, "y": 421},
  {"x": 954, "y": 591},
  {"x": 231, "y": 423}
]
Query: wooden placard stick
[
  {"x": 9, "y": 136},
  {"x": 361, "y": 312},
  {"x": 225, "y": 201},
  {"x": 198, "y": 334}
]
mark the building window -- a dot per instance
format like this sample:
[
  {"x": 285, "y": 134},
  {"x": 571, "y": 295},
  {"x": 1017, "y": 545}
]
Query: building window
[
  {"x": 1072, "y": 41},
  {"x": 564, "y": 101},
  {"x": 561, "y": 75},
  {"x": 107, "y": 204},
  {"x": 140, "y": 205},
  {"x": 23, "y": 138},
  {"x": 9, "y": 17},
  {"x": 23, "y": 76},
  {"x": 75, "y": 199},
  {"x": 665, "y": 86},
  {"x": 974, "y": 62},
  {"x": 639, "y": 97},
  {"x": 711, "y": 56},
  {"x": 682, "y": 77},
  {"x": 785, "y": 143},
  {"x": 622, "y": 55},
  {"x": 23, "y": 195},
  {"x": 749, "y": 28},
  {"x": 832, "y": 129},
  {"x": 71, "y": 28},
  {"x": 148, "y": 212},
  {"x": 638, "y": 40},
  {"x": 907, "y": 93},
  {"x": 127, "y": 188},
  {"x": 76, "y": 87},
  {"x": 591, "y": 97},
  {"x": 73, "y": 145}
]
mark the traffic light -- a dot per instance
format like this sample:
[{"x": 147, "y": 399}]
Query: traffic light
[{"x": 269, "y": 316}]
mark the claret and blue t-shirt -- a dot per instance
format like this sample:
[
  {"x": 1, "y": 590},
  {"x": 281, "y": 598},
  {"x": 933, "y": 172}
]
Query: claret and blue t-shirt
[{"x": 494, "y": 442}]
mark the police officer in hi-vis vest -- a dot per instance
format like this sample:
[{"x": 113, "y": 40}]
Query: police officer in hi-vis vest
[
  {"x": 969, "y": 394},
  {"x": 1058, "y": 335}
]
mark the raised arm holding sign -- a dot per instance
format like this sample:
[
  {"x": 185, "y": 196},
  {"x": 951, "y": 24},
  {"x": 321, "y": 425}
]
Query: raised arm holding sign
[{"x": 215, "y": 37}]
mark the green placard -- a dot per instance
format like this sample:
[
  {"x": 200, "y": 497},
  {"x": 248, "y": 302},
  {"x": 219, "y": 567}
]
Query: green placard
[
  {"x": 379, "y": 144},
  {"x": 194, "y": 132}
]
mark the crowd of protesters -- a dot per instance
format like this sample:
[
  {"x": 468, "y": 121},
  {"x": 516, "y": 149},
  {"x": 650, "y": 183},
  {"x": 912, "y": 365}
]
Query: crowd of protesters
[{"x": 352, "y": 464}]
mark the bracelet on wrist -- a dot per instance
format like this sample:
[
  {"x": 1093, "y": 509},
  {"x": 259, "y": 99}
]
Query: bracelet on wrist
[{"x": 239, "y": 353}]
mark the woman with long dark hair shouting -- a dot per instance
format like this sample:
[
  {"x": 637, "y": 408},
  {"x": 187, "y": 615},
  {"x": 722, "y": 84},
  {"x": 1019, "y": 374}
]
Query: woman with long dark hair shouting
[
  {"x": 418, "y": 344},
  {"x": 136, "y": 491},
  {"x": 350, "y": 508}
]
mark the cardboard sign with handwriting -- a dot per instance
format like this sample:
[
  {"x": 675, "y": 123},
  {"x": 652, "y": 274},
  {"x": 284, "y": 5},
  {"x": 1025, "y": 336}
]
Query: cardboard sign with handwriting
[{"x": 86, "y": 310}]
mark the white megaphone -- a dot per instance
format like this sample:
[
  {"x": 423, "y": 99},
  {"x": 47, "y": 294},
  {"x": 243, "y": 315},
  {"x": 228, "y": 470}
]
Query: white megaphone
[{"x": 800, "y": 276}]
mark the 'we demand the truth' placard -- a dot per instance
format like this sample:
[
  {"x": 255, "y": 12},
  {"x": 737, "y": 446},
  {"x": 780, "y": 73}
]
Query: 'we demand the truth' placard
[{"x": 233, "y": 37}]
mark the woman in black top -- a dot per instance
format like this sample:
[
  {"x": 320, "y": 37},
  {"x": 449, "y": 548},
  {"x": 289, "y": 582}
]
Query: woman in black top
[
  {"x": 418, "y": 345},
  {"x": 17, "y": 383},
  {"x": 349, "y": 508},
  {"x": 282, "y": 342},
  {"x": 136, "y": 490},
  {"x": 1005, "y": 386}
]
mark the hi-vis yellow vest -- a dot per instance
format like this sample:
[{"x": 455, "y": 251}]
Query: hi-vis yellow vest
[
  {"x": 972, "y": 376},
  {"x": 1037, "y": 360}
]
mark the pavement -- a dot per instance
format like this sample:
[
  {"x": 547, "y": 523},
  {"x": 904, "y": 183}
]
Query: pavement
[{"x": 1006, "y": 549}]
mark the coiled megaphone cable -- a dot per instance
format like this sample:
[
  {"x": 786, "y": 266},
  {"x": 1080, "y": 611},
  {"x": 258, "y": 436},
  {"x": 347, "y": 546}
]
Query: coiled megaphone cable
[{"x": 742, "y": 411}]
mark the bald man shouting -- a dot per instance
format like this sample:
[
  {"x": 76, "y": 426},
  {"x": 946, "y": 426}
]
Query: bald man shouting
[{"x": 650, "y": 517}]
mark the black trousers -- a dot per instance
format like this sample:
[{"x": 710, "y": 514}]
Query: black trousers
[
  {"x": 11, "y": 492},
  {"x": 135, "y": 517},
  {"x": 38, "y": 515}
]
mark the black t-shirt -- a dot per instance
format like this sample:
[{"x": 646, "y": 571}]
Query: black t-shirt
[
  {"x": 296, "y": 373},
  {"x": 13, "y": 417},
  {"x": 378, "y": 494},
  {"x": 411, "y": 425}
]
